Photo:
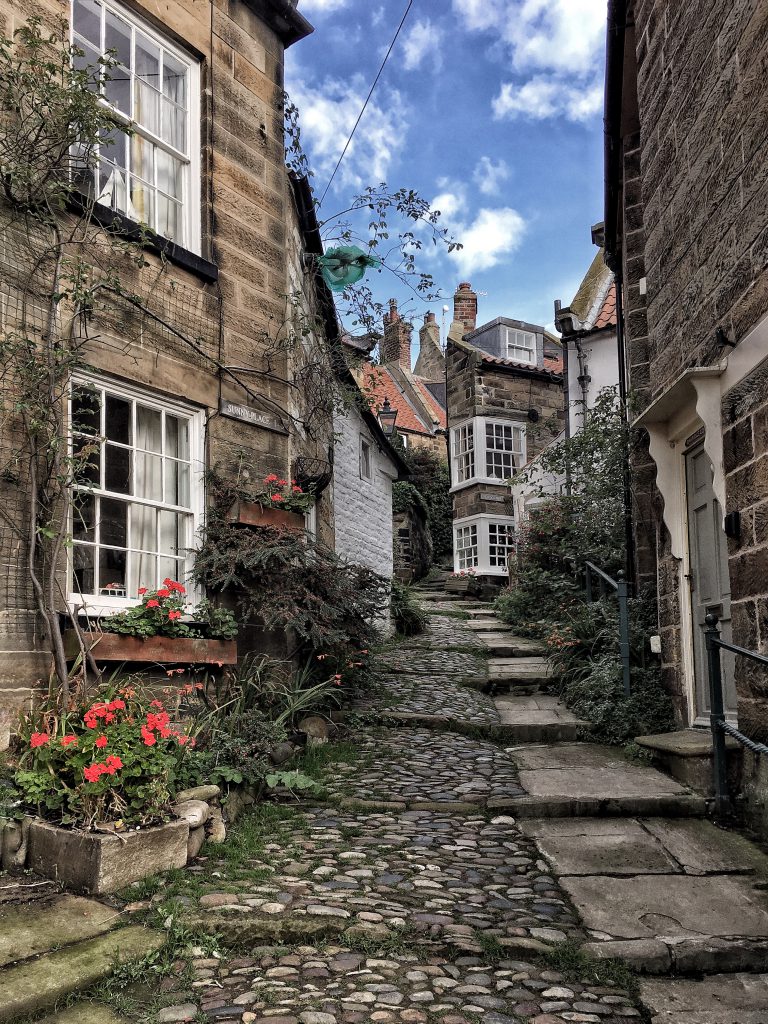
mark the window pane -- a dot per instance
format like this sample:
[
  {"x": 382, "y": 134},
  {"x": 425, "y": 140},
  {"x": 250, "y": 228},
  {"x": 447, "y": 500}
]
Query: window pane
[
  {"x": 88, "y": 61},
  {"x": 149, "y": 431},
  {"x": 142, "y": 201},
  {"x": 86, "y": 410},
  {"x": 117, "y": 88},
  {"x": 83, "y": 569},
  {"x": 169, "y": 174},
  {"x": 176, "y": 437},
  {"x": 86, "y": 20},
  {"x": 174, "y": 79},
  {"x": 117, "y": 38},
  {"x": 117, "y": 472},
  {"x": 148, "y": 476},
  {"x": 142, "y": 158},
  {"x": 83, "y": 516},
  {"x": 143, "y": 572},
  {"x": 147, "y": 107},
  {"x": 174, "y": 125},
  {"x": 144, "y": 527},
  {"x": 177, "y": 483},
  {"x": 172, "y": 533},
  {"x": 86, "y": 461},
  {"x": 118, "y": 420},
  {"x": 112, "y": 577},
  {"x": 147, "y": 57},
  {"x": 171, "y": 569},
  {"x": 113, "y": 522},
  {"x": 168, "y": 218},
  {"x": 113, "y": 146}
]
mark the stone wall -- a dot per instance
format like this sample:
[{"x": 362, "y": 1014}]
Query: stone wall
[
  {"x": 247, "y": 214},
  {"x": 412, "y": 545},
  {"x": 363, "y": 508}
]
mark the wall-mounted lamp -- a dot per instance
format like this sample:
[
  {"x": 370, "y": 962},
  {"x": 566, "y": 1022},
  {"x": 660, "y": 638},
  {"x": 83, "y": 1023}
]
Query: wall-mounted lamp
[{"x": 387, "y": 418}]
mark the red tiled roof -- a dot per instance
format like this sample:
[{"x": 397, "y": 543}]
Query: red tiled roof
[
  {"x": 377, "y": 384},
  {"x": 553, "y": 363},
  {"x": 607, "y": 314},
  {"x": 550, "y": 365},
  {"x": 431, "y": 402}
]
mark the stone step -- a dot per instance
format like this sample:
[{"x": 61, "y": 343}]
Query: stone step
[
  {"x": 489, "y": 626},
  {"x": 35, "y": 986},
  {"x": 84, "y": 1013},
  {"x": 526, "y": 668},
  {"x": 717, "y": 999},
  {"x": 508, "y": 645},
  {"x": 537, "y": 718},
  {"x": 28, "y": 930}
]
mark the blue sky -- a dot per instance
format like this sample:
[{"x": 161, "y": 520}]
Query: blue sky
[{"x": 491, "y": 109}]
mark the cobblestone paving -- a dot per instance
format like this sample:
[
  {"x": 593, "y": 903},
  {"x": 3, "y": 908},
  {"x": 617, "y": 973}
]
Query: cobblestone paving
[
  {"x": 337, "y": 986},
  {"x": 417, "y": 660},
  {"x": 423, "y": 695},
  {"x": 444, "y": 629},
  {"x": 416, "y": 767},
  {"x": 438, "y": 877}
]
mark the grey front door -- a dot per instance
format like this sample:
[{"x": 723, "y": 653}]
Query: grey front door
[{"x": 709, "y": 580}]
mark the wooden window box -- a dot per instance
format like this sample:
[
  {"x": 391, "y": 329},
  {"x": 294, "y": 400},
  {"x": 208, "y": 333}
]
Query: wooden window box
[
  {"x": 169, "y": 650},
  {"x": 251, "y": 513}
]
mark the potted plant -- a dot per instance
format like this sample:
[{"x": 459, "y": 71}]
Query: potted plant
[
  {"x": 463, "y": 582},
  {"x": 161, "y": 630},
  {"x": 99, "y": 776},
  {"x": 280, "y": 503}
]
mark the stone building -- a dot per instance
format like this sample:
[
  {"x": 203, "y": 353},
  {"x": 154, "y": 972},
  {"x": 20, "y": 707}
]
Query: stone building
[
  {"x": 505, "y": 403},
  {"x": 685, "y": 232},
  {"x": 189, "y": 360}
]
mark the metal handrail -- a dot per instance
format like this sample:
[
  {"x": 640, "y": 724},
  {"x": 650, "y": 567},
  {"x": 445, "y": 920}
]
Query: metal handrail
[
  {"x": 621, "y": 587},
  {"x": 720, "y": 727}
]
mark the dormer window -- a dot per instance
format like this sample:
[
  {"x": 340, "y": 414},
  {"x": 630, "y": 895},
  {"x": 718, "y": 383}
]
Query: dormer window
[{"x": 521, "y": 345}]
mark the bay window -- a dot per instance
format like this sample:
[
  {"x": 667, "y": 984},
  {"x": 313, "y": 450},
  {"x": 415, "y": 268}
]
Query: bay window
[
  {"x": 483, "y": 543},
  {"x": 137, "y": 500},
  {"x": 486, "y": 451},
  {"x": 153, "y": 175}
]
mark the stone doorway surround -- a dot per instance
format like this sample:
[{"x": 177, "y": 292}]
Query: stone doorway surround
[{"x": 691, "y": 402}]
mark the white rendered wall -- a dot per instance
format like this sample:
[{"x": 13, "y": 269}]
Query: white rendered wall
[
  {"x": 601, "y": 357},
  {"x": 362, "y": 508}
]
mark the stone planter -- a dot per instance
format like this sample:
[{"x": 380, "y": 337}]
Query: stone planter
[
  {"x": 251, "y": 513},
  {"x": 100, "y": 863},
  {"x": 155, "y": 649}
]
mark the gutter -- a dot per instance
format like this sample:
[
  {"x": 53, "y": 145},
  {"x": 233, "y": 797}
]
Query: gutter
[
  {"x": 310, "y": 230},
  {"x": 283, "y": 18},
  {"x": 614, "y": 81}
]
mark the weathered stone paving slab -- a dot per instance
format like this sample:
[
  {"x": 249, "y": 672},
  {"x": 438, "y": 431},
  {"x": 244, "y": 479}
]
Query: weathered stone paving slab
[
  {"x": 719, "y": 999},
  {"x": 423, "y": 696},
  {"x": 427, "y": 770},
  {"x": 339, "y": 986},
  {"x": 437, "y": 878}
]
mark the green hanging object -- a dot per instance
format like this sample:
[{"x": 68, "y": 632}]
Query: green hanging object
[{"x": 344, "y": 266}]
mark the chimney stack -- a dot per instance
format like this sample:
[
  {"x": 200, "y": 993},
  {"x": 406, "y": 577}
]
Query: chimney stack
[
  {"x": 431, "y": 364},
  {"x": 465, "y": 306},
  {"x": 396, "y": 346}
]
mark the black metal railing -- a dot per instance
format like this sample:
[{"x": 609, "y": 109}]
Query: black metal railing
[
  {"x": 593, "y": 573},
  {"x": 720, "y": 727}
]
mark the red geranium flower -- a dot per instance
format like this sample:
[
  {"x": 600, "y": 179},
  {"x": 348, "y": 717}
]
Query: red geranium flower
[
  {"x": 153, "y": 603},
  {"x": 92, "y": 772},
  {"x": 277, "y": 497},
  {"x": 141, "y": 591},
  {"x": 270, "y": 479},
  {"x": 101, "y": 741},
  {"x": 39, "y": 739},
  {"x": 148, "y": 736},
  {"x": 67, "y": 741},
  {"x": 173, "y": 615},
  {"x": 114, "y": 762},
  {"x": 165, "y": 592}
]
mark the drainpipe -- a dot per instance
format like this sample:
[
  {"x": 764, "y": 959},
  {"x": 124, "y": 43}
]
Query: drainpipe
[{"x": 583, "y": 378}]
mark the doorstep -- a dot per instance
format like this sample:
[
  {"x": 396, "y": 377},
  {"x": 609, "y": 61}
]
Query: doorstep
[{"x": 686, "y": 755}]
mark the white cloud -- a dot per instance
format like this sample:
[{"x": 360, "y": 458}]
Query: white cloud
[
  {"x": 424, "y": 40},
  {"x": 322, "y": 6},
  {"x": 487, "y": 238},
  {"x": 555, "y": 53},
  {"x": 489, "y": 176},
  {"x": 328, "y": 112}
]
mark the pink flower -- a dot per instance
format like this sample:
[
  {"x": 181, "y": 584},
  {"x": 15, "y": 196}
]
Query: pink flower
[{"x": 39, "y": 739}]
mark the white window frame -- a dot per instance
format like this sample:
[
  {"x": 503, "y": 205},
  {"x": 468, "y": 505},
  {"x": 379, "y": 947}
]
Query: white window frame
[
  {"x": 366, "y": 456},
  {"x": 519, "y": 341},
  {"x": 191, "y": 187},
  {"x": 461, "y": 563},
  {"x": 480, "y": 450},
  {"x": 482, "y": 522},
  {"x": 463, "y": 451},
  {"x": 101, "y": 604}
]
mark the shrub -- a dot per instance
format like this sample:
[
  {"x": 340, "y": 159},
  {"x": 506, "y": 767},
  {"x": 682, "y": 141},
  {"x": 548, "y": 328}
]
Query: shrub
[
  {"x": 408, "y": 617},
  {"x": 112, "y": 759},
  {"x": 539, "y": 598}
]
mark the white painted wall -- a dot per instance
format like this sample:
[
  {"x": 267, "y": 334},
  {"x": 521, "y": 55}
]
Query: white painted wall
[
  {"x": 362, "y": 508},
  {"x": 600, "y": 353}
]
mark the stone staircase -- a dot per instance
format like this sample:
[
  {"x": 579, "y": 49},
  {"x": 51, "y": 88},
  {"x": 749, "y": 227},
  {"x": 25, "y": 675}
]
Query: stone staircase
[
  {"x": 655, "y": 883},
  {"x": 55, "y": 946}
]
